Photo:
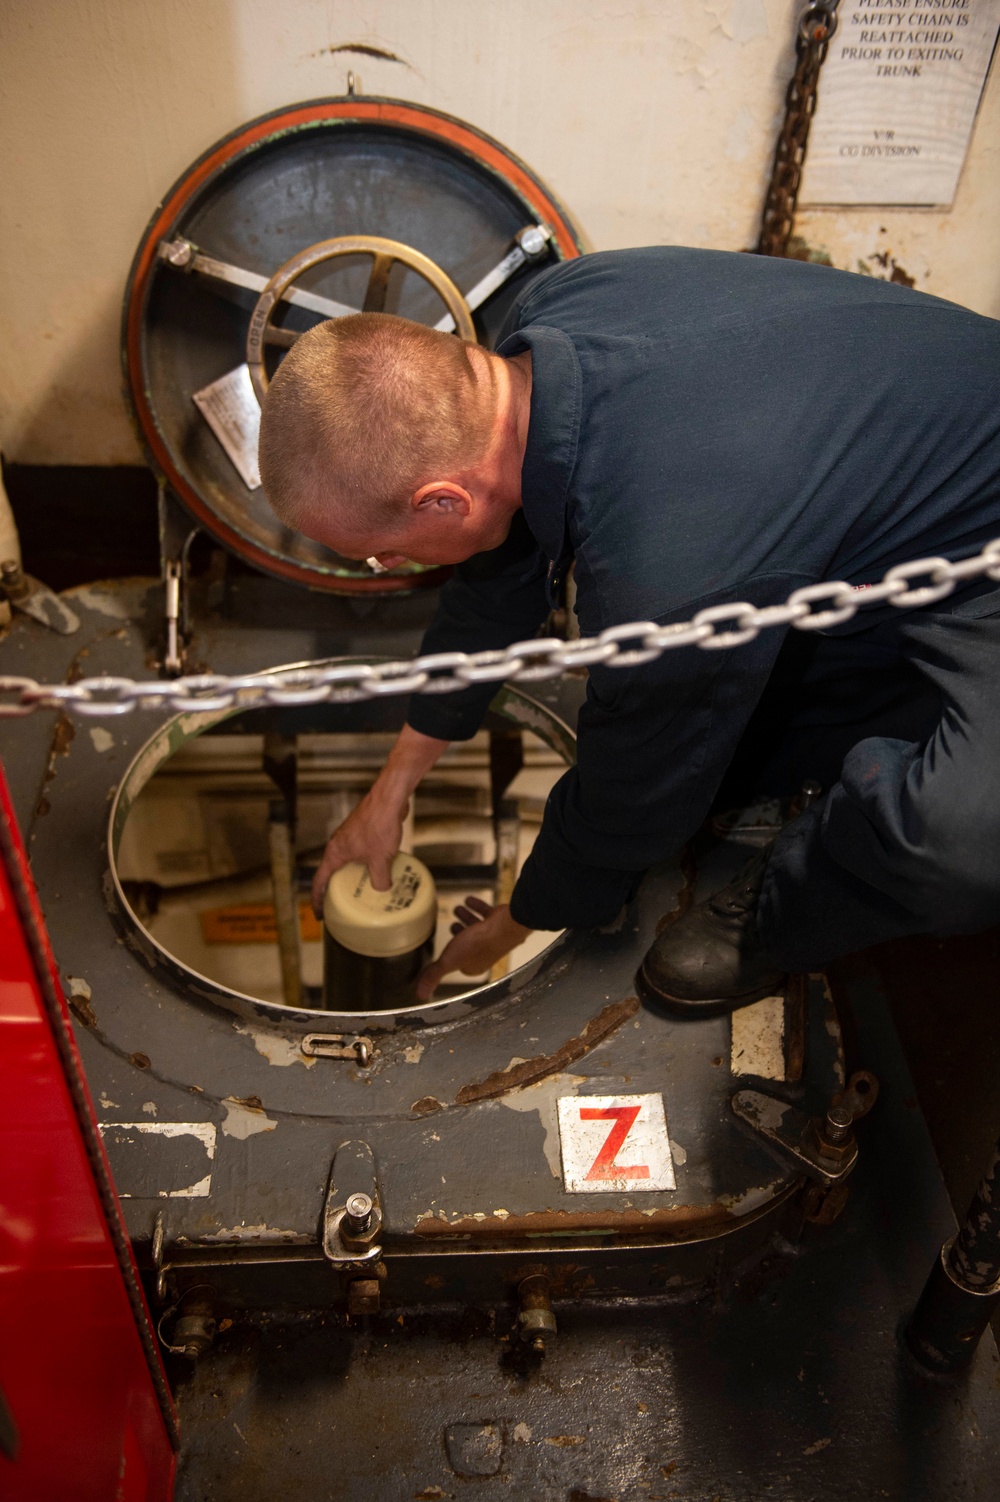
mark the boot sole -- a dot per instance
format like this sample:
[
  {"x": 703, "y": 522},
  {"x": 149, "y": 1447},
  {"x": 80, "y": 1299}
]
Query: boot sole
[{"x": 693, "y": 1011}]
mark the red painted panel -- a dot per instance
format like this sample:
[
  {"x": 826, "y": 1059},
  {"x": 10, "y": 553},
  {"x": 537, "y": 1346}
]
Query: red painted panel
[{"x": 76, "y": 1376}]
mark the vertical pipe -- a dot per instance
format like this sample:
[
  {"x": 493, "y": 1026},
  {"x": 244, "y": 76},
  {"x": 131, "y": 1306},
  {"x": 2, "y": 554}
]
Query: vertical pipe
[
  {"x": 964, "y": 1285},
  {"x": 285, "y": 905}
]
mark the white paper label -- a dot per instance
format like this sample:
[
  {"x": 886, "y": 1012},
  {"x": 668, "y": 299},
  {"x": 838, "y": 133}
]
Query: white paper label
[
  {"x": 898, "y": 96},
  {"x": 612, "y": 1144},
  {"x": 231, "y": 409}
]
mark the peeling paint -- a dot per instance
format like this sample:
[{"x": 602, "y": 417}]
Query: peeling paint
[
  {"x": 544, "y": 1098},
  {"x": 199, "y": 1190},
  {"x": 752, "y": 1199},
  {"x": 149, "y": 1106},
  {"x": 274, "y": 1047},
  {"x": 244, "y": 1121},
  {"x": 204, "y": 1131},
  {"x": 102, "y": 602},
  {"x": 269, "y": 1235},
  {"x": 426, "y": 1105},
  {"x": 102, "y": 739},
  {"x": 414, "y": 1054},
  {"x": 78, "y": 999},
  {"x": 758, "y": 1039}
]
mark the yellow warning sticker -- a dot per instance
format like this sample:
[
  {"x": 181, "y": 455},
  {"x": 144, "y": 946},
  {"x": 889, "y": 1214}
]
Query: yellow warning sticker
[{"x": 253, "y": 923}]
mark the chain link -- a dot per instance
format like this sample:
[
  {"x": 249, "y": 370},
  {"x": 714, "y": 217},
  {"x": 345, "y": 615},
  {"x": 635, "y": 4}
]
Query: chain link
[
  {"x": 815, "y": 607},
  {"x": 817, "y": 24}
]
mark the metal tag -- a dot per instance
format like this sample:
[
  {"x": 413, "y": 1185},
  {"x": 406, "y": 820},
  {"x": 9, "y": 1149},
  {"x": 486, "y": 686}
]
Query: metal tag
[
  {"x": 231, "y": 409},
  {"x": 613, "y": 1144}
]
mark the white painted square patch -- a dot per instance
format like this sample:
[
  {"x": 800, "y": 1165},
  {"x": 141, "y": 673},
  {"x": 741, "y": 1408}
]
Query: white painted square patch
[{"x": 612, "y": 1144}]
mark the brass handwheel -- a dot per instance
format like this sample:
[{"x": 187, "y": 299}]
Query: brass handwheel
[{"x": 384, "y": 254}]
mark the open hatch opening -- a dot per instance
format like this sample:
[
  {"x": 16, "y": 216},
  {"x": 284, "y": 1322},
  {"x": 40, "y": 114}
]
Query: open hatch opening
[{"x": 193, "y": 837}]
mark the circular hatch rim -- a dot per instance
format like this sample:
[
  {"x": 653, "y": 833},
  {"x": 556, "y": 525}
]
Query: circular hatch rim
[
  {"x": 511, "y": 702},
  {"x": 395, "y": 114}
]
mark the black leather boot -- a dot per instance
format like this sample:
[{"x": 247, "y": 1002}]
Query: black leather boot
[{"x": 711, "y": 960}]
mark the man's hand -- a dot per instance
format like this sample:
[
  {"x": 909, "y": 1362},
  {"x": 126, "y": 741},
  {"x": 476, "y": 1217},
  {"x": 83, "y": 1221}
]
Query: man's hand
[
  {"x": 483, "y": 935},
  {"x": 372, "y": 833}
]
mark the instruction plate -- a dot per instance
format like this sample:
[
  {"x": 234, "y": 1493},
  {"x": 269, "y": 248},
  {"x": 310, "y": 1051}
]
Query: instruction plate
[
  {"x": 898, "y": 96},
  {"x": 614, "y": 1143},
  {"x": 231, "y": 409}
]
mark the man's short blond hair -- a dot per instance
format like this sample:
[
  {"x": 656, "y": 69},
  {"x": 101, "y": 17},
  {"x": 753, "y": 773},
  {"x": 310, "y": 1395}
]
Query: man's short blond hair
[{"x": 362, "y": 412}]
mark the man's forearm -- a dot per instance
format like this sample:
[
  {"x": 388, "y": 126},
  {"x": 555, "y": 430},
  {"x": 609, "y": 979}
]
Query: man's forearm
[{"x": 411, "y": 757}]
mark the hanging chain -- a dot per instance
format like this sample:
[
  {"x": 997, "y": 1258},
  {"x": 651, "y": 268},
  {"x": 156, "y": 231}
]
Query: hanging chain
[
  {"x": 816, "y": 26},
  {"x": 815, "y": 607}
]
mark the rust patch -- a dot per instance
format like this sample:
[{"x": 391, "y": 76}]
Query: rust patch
[
  {"x": 532, "y": 1070},
  {"x": 140, "y": 1060},
  {"x": 82, "y": 1010},
  {"x": 427, "y": 1105},
  {"x": 799, "y": 249},
  {"x": 62, "y": 737},
  {"x": 678, "y": 1218},
  {"x": 796, "y": 1012}
]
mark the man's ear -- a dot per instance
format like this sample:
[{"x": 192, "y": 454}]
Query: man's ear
[{"x": 442, "y": 497}]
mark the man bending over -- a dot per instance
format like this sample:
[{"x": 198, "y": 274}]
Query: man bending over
[{"x": 692, "y": 428}]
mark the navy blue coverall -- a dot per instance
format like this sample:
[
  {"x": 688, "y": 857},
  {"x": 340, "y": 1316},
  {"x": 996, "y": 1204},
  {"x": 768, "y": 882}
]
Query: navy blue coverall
[{"x": 708, "y": 427}]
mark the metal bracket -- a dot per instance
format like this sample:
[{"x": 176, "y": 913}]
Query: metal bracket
[
  {"x": 338, "y": 1046},
  {"x": 27, "y": 594},
  {"x": 177, "y": 533},
  {"x": 825, "y": 1150},
  {"x": 352, "y": 1213}
]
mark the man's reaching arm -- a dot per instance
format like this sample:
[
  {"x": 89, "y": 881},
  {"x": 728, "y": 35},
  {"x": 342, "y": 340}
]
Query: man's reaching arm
[
  {"x": 494, "y": 599},
  {"x": 372, "y": 832}
]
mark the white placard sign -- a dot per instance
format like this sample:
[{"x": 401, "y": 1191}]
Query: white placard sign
[
  {"x": 898, "y": 96},
  {"x": 614, "y": 1144},
  {"x": 231, "y": 409}
]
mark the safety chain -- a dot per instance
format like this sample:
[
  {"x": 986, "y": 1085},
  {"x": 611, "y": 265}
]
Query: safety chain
[
  {"x": 816, "y": 607},
  {"x": 817, "y": 24}
]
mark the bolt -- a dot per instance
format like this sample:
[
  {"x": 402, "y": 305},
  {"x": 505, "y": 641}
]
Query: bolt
[
  {"x": 536, "y": 1324},
  {"x": 838, "y": 1124},
  {"x": 180, "y": 253},
  {"x": 358, "y": 1210},
  {"x": 533, "y": 239}
]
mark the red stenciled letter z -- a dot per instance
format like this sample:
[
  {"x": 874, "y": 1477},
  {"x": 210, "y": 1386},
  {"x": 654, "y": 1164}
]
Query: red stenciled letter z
[{"x": 604, "y": 1165}]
